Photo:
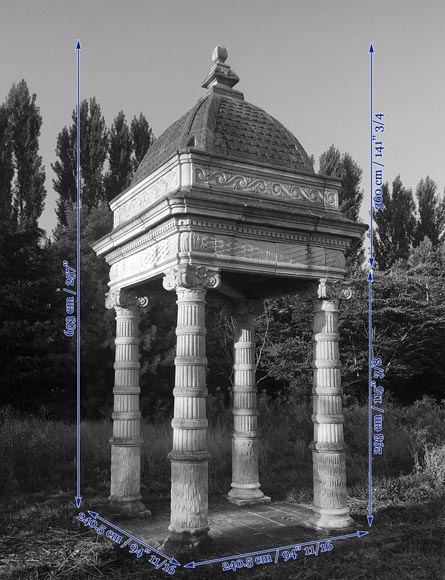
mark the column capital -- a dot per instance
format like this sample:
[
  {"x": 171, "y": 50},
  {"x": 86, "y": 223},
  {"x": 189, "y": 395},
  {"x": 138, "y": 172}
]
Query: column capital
[
  {"x": 120, "y": 298},
  {"x": 327, "y": 289},
  {"x": 190, "y": 276}
]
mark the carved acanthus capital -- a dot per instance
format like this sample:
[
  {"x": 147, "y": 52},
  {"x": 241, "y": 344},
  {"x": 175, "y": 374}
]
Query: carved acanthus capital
[
  {"x": 189, "y": 276},
  {"x": 119, "y": 298},
  {"x": 329, "y": 289}
]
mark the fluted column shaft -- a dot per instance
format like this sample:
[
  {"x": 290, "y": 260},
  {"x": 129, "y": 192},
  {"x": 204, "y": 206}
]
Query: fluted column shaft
[
  {"x": 126, "y": 441},
  {"x": 189, "y": 457},
  {"x": 328, "y": 448},
  {"x": 245, "y": 480}
]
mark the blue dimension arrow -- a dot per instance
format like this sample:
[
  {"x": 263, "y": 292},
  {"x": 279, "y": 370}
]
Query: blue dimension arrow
[
  {"x": 276, "y": 550},
  {"x": 371, "y": 257},
  {"x": 370, "y": 280},
  {"x": 370, "y": 425},
  {"x": 172, "y": 560},
  {"x": 78, "y": 497}
]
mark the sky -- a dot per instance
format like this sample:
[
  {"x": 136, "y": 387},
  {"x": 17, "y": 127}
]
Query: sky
[{"x": 305, "y": 63}]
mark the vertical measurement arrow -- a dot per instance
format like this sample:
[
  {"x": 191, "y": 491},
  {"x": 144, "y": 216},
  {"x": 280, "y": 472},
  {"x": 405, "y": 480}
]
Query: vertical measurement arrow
[
  {"x": 370, "y": 278},
  {"x": 78, "y": 496},
  {"x": 371, "y": 256},
  {"x": 370, "y": 426}
]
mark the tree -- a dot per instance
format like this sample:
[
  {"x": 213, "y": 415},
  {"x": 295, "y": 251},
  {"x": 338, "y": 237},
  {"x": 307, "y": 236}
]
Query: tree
[
  {"x": 65, "y": 169},
  {"x": 124, "y": 148},
  {"x": 430, "y": 218},
  {"x": 120, "y": 164},
  {"x": 93, "y": 153},
  {"x": 142, "y": 136},
  {"x": 284, "y": 337},
  {"x": 25, "y": 121},
  {"x": 6, "y": 167},
  {"x": 409, "y": 319},
  {"x": 96, "y": 321},
  {"x": 24, "y": 313},
  {"x": 396, "y": 225},
  {"x": 342, "y": 166}
]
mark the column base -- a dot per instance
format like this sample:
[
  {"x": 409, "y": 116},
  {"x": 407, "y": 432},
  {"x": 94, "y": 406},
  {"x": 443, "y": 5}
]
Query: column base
[
  {"x": 130, "y": 509},
  {"x": 245, "y": 497},
  {"x": 332, "y": 519},
  {"x": 186, "y": 542}
]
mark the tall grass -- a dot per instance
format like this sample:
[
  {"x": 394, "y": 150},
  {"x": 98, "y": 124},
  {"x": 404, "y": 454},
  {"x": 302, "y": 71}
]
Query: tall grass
[{"x": 36, "y": 453}]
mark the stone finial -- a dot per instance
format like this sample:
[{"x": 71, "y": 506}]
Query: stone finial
[
  {"x": 221, "y": 76},
  {"x": 219, "y": 54}
]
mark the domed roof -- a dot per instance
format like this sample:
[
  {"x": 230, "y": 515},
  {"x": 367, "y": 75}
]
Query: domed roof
[{"x": 222, "y": 123}]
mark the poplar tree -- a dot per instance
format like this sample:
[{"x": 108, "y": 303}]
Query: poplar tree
[
  {"x": 396, "y": 225},
  {"x": 142, "y": 136},
  {"x": 24, "y": 122},
  {"x": 6, "y": 167},
  {"x": 342, "y": 166},
  {"x": 65, "y": 170},
  {"x": 120, "y": 163},
  {"x": 93, "y": 153},
  {"x": 430, "y": 212}
]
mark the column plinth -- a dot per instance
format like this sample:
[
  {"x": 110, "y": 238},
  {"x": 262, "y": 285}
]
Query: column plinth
[
  {"x": 126, "y": 442},
  {"x": 330, "y": 509},
  {"x": 188, "y": 529},
  {"x": 245, "y": 480}
]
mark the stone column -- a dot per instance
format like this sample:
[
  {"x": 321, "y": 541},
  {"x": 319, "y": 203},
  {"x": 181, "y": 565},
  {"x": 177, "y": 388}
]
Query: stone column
[
  {"x": 328, "y": 449},
  {"x": 245, "y": 481},
  {"x": 126, "y": 442},
  {"x": 189, "y": 457}
]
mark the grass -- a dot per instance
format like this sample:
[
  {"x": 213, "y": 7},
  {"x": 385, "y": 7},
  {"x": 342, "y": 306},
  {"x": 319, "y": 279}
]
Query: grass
[{"x": 41, "y": 539}]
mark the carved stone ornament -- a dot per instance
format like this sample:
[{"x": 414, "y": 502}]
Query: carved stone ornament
[
  {"x": 267, "y": 187},
  {"x": 326, "y": 289},
  {"x": 334, "y": 289},
  {"x": 118, "y": 298},
  {"x": 142, "y": 200},
  {"x": 188, "y": 276}
]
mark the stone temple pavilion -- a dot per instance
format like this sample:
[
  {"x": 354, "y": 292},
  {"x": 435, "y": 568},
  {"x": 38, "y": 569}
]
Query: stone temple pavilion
[{"x": 226, "y": 203}]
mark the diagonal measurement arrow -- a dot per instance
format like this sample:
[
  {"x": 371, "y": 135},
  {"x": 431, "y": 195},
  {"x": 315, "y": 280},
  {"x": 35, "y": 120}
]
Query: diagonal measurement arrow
[
  {"x": 172, "y": 560},
  {"x": 371, "y": 256},
  {"x": 78, "y": 497},
  {"x": 277, "y": 549}
]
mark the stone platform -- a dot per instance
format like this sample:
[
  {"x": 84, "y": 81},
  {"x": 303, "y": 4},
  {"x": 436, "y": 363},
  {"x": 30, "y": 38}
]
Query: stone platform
[{"x": 235, "y": 530}]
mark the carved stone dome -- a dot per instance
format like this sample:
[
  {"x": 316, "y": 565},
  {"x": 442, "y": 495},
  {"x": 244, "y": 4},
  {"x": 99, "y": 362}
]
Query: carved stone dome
[{"x": 223, "y": 124}]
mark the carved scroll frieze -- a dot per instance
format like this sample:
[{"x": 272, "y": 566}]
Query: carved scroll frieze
[
  {"x": 189, "y": 276},
  {"x": 120, "y": 298},
  {"x": 168, "y": 182},
  {"x": 270, "y": 251},
  {"x": 242, "y": 248},
  {"x": 145, "y": 259},
  {"x": 267, "y": 187}
]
